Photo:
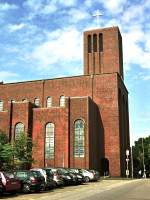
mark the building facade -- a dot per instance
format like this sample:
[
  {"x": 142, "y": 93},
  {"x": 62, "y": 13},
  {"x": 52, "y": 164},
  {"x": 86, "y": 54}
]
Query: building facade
[{"x": 79, "y": 121}]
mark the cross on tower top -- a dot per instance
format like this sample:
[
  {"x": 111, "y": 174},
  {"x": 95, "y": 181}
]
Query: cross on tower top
[{"x": 97, "y": 14}]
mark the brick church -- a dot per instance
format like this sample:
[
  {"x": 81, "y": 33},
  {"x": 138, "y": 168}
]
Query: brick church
[{"x": 80, "y": 121}]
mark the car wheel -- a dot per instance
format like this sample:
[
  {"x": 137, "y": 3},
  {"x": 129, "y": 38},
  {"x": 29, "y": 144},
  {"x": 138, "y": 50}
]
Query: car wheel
[
  {"x": 13, "y": 192},
  {"x": 43, "y": 187},
  {"x": 1, "y": 192},
  {"x": 26, "y": 188},
  {"x": 86, "y": 179}
]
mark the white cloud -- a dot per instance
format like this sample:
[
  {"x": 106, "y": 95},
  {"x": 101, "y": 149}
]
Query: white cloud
[
  {"x": 136, "y": 13},
  {"x": 67, "y": 2},
  {"x": 50, "y": 8},
  {"x": 78, "y": 14},
  {"x": 7, "y": 76},
  {"x": 133, "y": 49},
  {"x": 41, "y": 7},
  {"x": 33, "y": 4},
  {"x": 88, "y": 3},
  {"x": 15, "y": 27},
  {"x": 6, "y": 6},
  {"x": 146, "y": 78},
  {"x": 62, "y": 46},
  {"x": 132, "y": 13},
  {"x": 114, "y": 6}
]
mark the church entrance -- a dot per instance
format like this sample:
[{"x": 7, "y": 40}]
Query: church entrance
[{"x": 105, "y": 166}]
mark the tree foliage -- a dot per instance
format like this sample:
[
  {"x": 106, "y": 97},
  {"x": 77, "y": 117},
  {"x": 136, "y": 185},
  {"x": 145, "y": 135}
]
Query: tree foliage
[
  {"x": 141, "y": 154},
  {"x": 23, "y": 151},
  {"x": 17, "y": 154},
  {"x": 3, "y": 138},
  {"x": 6, "y": 152}
]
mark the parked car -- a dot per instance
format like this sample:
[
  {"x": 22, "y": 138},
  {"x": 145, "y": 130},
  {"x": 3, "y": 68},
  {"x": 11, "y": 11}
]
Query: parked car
[
  {"x": 67, "y": 177},
  {"x": 52, "y": 173},
  {"x": 8, "y": 183},
  {"x": 30, "y": 180},
  {"x": 49, "y": 182},
  {"x": 1, "y": 186},
  {"x": 96, "y": 174},
  {"x": 79, "y": 177},
  {"x": 88, "y": 176},
  {"x": 42, "y": 171}
]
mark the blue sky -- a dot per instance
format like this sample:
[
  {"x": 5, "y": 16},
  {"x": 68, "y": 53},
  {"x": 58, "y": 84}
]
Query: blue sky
[{"x": 43, "y": 39}]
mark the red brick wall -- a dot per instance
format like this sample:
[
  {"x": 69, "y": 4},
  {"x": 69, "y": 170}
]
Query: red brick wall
[
  {"x": 4, "y": 122},
  {"x": 110, "y": 59},
  {"x": 123, "y": 124},
  {"x": 106, "y": 96},
  {"x": 20, "y": 91},
  {"x": 58, "y": 116},
  {"x": 103, "y": 90},
  {"x": 20, "y": 113},
  {"x": 96, "y": 137},
  {"x": 79, "y": 110}
]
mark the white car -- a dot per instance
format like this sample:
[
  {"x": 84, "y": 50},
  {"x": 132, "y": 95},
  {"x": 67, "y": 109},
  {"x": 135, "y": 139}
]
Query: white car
[
  {"x": 88, "y": 176},
  {"x": 42, "y": 171}
]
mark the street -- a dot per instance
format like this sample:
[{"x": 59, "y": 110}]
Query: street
[
  {"x": 102, "y": 190},
  {"x": 139, "y": 190}
]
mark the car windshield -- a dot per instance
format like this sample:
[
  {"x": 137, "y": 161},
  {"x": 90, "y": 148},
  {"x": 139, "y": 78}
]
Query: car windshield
[
  {"x": 22, "y": 174},
  {"x": 49, "y": 172},
  {"x": 9, "y": 174},
  {"x": 62, "y": 171},
  {"x": 42, "y": 171},
  {"x": 73, "y": 170},
  {"x": 36, "y": 173}
]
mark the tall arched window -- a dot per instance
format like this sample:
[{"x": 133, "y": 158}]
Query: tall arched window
[
  {"x": 24, "y": 100},
  {"x": 95, "y": 43},
  {"x": 62, "y": 101},
  {"x": 19, "y": 128},
  {"x": 49, "y": 141},
  {"x": 100, "y": 42},
  {"x": 1, "y": 105},
  {"x": 89, "y": 44},
  {"x": 37, "y": 101},
  {"x": 12, "y": 100},
  {"x": 79, "y": 138},
  {"x": 49, "y": 102}
]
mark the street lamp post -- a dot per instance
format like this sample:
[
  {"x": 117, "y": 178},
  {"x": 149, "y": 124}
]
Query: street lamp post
[
  {"x": 127, "y": 161},
  {"x": 144, "y": 174},
  {"x": 131, "y": 162}
]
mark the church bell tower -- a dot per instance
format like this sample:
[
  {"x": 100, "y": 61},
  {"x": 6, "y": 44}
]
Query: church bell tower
[{"x": 103, "y": 51}]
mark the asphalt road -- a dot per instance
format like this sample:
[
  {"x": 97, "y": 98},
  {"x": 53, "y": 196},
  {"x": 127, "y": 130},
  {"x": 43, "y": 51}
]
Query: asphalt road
[
  {"x": 138, "y": 190},
  {"x": 102, "y": 190}
]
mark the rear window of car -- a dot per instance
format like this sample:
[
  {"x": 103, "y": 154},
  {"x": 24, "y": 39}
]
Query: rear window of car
[
  {"x": 49, "y": 172},
  {"x": 21, "y": 174},
  {"x": 36, "y": 173},
  {"x": 83, "y": 171},
  {"x": 9, "y": 174},
  {"x": 62, "y": 171},
  {"x": 73, "y": 170}
]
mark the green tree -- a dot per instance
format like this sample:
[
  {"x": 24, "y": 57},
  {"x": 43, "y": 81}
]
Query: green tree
[
  {"x": 141, "y": 150},
  {"x": 3, "y": 138},
  {"x": 23, "y": 151},
  {"x": 17, "y": 154},
  {"x": 6, "y": 152}
]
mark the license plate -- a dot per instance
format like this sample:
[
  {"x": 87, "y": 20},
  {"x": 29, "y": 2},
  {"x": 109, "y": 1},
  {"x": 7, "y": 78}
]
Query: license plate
[{"x": 13, "y": 183}]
